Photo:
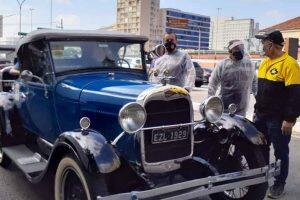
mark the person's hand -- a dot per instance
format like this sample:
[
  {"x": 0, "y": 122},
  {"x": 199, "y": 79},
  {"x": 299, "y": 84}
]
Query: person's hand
[
  {"x": 287, "y": 127},
  {"x": 188, "y": 89},
  {"x": 253, "y": 117}
]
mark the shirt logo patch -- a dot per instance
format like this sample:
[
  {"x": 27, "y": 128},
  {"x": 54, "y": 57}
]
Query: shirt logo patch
[{"x": 274, "y": 71}]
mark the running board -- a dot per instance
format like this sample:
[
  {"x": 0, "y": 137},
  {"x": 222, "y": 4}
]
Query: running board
[{"x": 29, "y": 162}]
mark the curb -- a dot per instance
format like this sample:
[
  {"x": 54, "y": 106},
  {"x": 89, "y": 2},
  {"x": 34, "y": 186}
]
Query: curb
[{"x": 297, "y": 127}]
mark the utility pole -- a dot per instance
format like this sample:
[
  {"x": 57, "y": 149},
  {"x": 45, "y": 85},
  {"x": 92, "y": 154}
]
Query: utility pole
[
  {"x": 20, "y": 8},
  {"x": 51, "y": 13},
  {"x": 31, "y": 10},
  {"x": 199, "y": 48},
  {"x": 217, "y": 31},
  {"x": 61, "y": 25}
]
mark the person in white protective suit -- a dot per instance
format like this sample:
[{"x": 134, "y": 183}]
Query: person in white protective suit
[
  {"x": 236, "y": 77},
  {"x": 175, "y": 64}
]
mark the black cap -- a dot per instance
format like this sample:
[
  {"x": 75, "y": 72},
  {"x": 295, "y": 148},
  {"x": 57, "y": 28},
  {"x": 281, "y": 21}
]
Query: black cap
[{"x": 274, "y": 36}]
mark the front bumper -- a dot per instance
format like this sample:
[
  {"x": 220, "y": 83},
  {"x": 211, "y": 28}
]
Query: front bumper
[{"x": 204, "y": 186}]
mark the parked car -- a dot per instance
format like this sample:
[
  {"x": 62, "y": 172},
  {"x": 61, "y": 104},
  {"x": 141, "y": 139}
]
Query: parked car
[
  {"x": 7, "y": 55},
  {"x": 207, "y": 74},
  {"x": 199, "y": 74},
  {"x": 102, "y": 131}
]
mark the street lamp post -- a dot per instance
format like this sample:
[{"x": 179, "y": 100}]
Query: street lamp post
[
  {"x": 20, "y": 7},
  {"x": 51, "y": 13},
  {"x": 31, "y": 10},
  {"x": 217, "y": 26},
  {"x": 199, "y": 45}
]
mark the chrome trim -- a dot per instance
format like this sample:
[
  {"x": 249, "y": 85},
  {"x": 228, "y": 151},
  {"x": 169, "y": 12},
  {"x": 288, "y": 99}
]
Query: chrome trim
[
  {"x": 170, "y": 126},
  {"x": 203, "y": 108},
  {"x": 9, "y": 81},
  {"x": 123, "y": 108},
  {"x": 167, "y": 165},
  {"x": 204, "y": 186},
  {"x": 114, "y": 143}
]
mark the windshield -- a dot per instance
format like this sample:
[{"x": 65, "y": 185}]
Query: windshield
[{"x": 94, "y": 55}]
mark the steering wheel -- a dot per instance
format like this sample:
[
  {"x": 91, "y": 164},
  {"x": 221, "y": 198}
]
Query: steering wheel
[{"x": 120, "y": 62}]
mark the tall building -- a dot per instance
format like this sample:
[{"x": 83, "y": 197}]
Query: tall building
[
  {"x": 226, "y": 29},
  {"x": 140, "y": 17},
  {"x": 1, "y": 26},
  {"x": 191, "y": 29}
]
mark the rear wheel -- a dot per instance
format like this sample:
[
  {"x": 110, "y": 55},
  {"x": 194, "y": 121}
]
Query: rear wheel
[
  {"x": 4, "y": 160},
  {"x": 243, "y": 156},
  {"x": 72, "y": 183}
]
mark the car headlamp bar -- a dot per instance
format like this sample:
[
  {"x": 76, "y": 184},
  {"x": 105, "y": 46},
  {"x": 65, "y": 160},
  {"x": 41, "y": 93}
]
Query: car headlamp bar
[{"x": 171, "y": 126}]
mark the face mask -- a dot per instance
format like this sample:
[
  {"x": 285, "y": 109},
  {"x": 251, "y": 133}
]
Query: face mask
[
  {"x": 238, "y": 55},
  {"x": 170, "y": 46}
]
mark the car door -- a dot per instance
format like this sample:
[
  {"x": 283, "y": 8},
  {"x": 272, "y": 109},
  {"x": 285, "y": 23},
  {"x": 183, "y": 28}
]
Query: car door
[{"x": 37, "y": 107}]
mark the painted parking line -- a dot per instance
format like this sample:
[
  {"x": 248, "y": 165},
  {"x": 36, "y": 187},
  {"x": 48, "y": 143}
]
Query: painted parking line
[{"x": 296, "y": 136}]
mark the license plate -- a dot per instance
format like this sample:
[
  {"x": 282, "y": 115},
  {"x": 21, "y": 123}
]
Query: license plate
[{"x": 169, "y": 135}]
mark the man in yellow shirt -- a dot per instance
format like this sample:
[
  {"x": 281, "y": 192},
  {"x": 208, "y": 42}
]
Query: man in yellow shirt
[{"x": 277, "y": 102}]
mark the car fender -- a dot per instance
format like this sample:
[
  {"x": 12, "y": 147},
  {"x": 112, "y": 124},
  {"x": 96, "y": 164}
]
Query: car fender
[
  {"x": 94, "y": 152},
  {"x": 246, "y": 128}
]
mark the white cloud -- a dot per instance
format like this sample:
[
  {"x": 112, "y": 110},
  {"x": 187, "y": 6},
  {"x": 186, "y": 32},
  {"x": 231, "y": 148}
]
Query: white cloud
[
  {"x": 276, "y": 14},
  {"x": 68, "y": 19},
  {"x": 255, "y": 1},
  {"x": 63, "y": 1}
]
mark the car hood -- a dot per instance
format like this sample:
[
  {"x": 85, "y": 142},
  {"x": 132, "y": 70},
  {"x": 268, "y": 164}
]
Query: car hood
[
  {"x": 113, "y": 91},
  {"x": 85, "y": 86}
]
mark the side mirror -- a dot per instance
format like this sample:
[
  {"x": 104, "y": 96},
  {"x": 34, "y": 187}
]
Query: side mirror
[{"x": 26, "y": 75}]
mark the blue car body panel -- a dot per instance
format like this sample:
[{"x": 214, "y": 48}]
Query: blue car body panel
[{"x": 94, "y": 95}]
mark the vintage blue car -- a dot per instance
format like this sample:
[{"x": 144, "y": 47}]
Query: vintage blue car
[{"x": 84, "y": 116}]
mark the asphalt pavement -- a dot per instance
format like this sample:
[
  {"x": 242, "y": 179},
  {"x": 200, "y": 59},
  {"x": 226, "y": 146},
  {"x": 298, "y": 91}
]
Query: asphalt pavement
[{"x": 14, "y": 186}]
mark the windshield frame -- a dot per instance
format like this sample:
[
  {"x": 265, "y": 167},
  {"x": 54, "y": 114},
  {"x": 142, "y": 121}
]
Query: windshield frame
[{"x": 100, "y": 69}]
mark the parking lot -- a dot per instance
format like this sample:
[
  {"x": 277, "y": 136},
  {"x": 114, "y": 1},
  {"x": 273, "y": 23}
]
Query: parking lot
[{"x": 14, "y": 186}]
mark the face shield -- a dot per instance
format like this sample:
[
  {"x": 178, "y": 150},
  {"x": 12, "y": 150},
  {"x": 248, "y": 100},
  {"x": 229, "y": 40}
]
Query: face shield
[{"x": 237, "y": 50}]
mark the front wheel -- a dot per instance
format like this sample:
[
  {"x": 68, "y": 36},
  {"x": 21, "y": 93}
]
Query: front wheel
[
  {"x": 72, "y": 183},
  {"x": 242, "y": 156}
]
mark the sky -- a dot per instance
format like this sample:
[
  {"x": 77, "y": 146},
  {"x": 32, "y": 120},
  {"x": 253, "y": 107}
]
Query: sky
[{"x": 93, "y": 14}]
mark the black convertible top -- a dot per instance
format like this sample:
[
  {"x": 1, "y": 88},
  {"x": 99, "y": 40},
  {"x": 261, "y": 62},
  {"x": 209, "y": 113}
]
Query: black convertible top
[{"x": 54, "y": 34}]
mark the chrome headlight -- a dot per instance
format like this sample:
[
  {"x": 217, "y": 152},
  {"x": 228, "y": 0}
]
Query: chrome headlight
[
  {"x": 132, "y": 117},
  {"x": 212, "y": 109}
]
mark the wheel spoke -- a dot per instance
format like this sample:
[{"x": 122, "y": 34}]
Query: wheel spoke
[
  {"x": 73, "y": 187},
  {"x": 237, "y": 156}
]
